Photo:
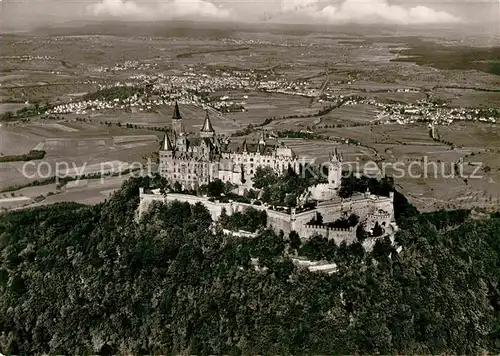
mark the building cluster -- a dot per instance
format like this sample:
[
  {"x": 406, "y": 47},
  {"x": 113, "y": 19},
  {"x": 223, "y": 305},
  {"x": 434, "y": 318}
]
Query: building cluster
[
  {"x": 427, "y": 111},
  {"x": 86, "y": 106},
  {"x": 127, "y": 65},
  {"x": 27, "y": 58},
  {"x": 189, "y": 87},
  {"x": 193, "y": 161}
]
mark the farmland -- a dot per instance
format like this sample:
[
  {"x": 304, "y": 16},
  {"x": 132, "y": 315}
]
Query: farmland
[
  {"x": 280, "y": 80},
  {"x": 77, "y": 145}
]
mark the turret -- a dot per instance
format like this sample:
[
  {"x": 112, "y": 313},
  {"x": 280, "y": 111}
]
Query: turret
[
  {"x": 335, "y": 156},
  {"x": 177, "y": 114},
  {"x": 262, "y": 139},
  {"x": 177, "y": 125},
  {"x": 207, "y": 130},
  {"x": 262, "y": 143},
  {"x": 335, "y": 170},
  {"x": 167, "y": 144}
]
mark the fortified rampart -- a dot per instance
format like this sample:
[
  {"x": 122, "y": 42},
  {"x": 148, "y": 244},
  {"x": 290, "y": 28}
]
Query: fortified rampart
[
  {"x": 369, "y": 208},
  {"x": 336, "y": 234}
]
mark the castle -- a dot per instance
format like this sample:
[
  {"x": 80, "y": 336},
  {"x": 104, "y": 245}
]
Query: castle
[{"x": 195, "y": 161}]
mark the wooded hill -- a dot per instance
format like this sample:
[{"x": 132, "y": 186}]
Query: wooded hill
[{"x": 90, "y": 279}]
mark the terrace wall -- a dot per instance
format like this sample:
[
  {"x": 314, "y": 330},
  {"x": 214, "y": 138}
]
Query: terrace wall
[
  {"x": 366, "y": 208},
  {"x": 275, "y": 219},
  {"x": 338, "y": 235}
]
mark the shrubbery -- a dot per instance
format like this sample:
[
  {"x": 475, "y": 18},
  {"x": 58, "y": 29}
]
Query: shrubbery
[{"x": 32, "y": 155}]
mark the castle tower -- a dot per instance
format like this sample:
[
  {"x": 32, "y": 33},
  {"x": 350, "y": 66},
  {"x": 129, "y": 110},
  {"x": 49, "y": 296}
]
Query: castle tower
[
  {"x": 167, "y": 146},
  {"x": 335, "y": 170},
  {"x": 207, "y": 130},
  {"x": 177, "y": 125},
  {"x": 166, "y": 155},
  {"x": 262, "y": 139},
  {"x": 261, "y": 146}
]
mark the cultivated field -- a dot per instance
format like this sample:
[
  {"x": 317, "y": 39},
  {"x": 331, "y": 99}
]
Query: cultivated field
[
  {"x": 73, "y": 145},
  {"x": 349, "y": 114},
  {"x": 61, "y": 65}
]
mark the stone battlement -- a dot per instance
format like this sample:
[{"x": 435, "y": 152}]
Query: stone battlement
[
  {"x": 278, "y": 220},
  {"x": 327, "y": 228}
]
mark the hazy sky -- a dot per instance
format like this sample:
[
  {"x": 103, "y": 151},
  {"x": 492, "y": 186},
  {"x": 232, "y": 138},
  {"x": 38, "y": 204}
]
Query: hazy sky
[{"x": 16, "y": 13}]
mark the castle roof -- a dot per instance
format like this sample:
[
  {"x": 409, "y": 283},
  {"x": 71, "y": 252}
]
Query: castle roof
[
  {"x": 207, "y": 125},
  {"x": 177, "y": 114},
  {"x": 335, "y": 156},
  {"x": 167, "y": 144},
  {"x": 262, "y": 139}
]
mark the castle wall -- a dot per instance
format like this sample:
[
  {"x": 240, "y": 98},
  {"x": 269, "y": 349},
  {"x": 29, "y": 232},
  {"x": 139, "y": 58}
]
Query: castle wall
[
  {"x": 338, "y": 235},
  {"x": 331, "y": 212},
  {"x": 323, "y": 192},
  {"x": 383, "y": 220},
  {"x": 370, "y": 209},
  {"x": 275, "y": 219},
  {"x": 278, "y": 221},
  {"x": 145, "y": 200},
  {"x": 361, "y": 205},
  {"x": 303, "y": 218}
]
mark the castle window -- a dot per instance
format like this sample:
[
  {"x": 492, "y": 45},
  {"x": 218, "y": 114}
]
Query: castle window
[{"x": 251, "y": 159}]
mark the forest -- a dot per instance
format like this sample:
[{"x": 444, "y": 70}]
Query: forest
[{"x": 78, "y": 279}]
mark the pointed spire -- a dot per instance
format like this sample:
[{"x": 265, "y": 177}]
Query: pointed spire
[
  {"x": 167, "y": 144},
  {"x": 262, "y": 139},
  {"x": 177, "y": 114},
  {"x": 207, "y": 125},
  {"x": 244, "y": 146},
  {"x": 335, "y": 155}
]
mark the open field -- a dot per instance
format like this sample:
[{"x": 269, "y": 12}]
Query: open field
[
  {"x": 80, "y": 148},
  {"x": 401, "y": 97},
  {"x": 262, "y": 105},
  {"x": 348, "y": 114},
  {"x": 91, "y": 192},
  {"x": 5, "y": 107},
  {"x": 480, "y": 135},
  {"x": 193, "y": 118},
  {"x": 410, "y": 134},
  {"x": 320, "y": 150},
  {"x": 424, "y": 169},
  {"x": 84, "y": 191},
  {"x": 64, "y": 64}
]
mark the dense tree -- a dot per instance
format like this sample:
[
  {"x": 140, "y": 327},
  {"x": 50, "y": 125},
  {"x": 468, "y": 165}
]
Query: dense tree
[
  {"x": 93, "y": 279},
  {"x": 216, "y": 188},
  {"x": 249, "y": 220},
  {"x": 264, "y": 177},
  {"x": 284, "y": 190},
  {"x": 295, "y": 241},
  {"x": 377, "y": 230}
]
